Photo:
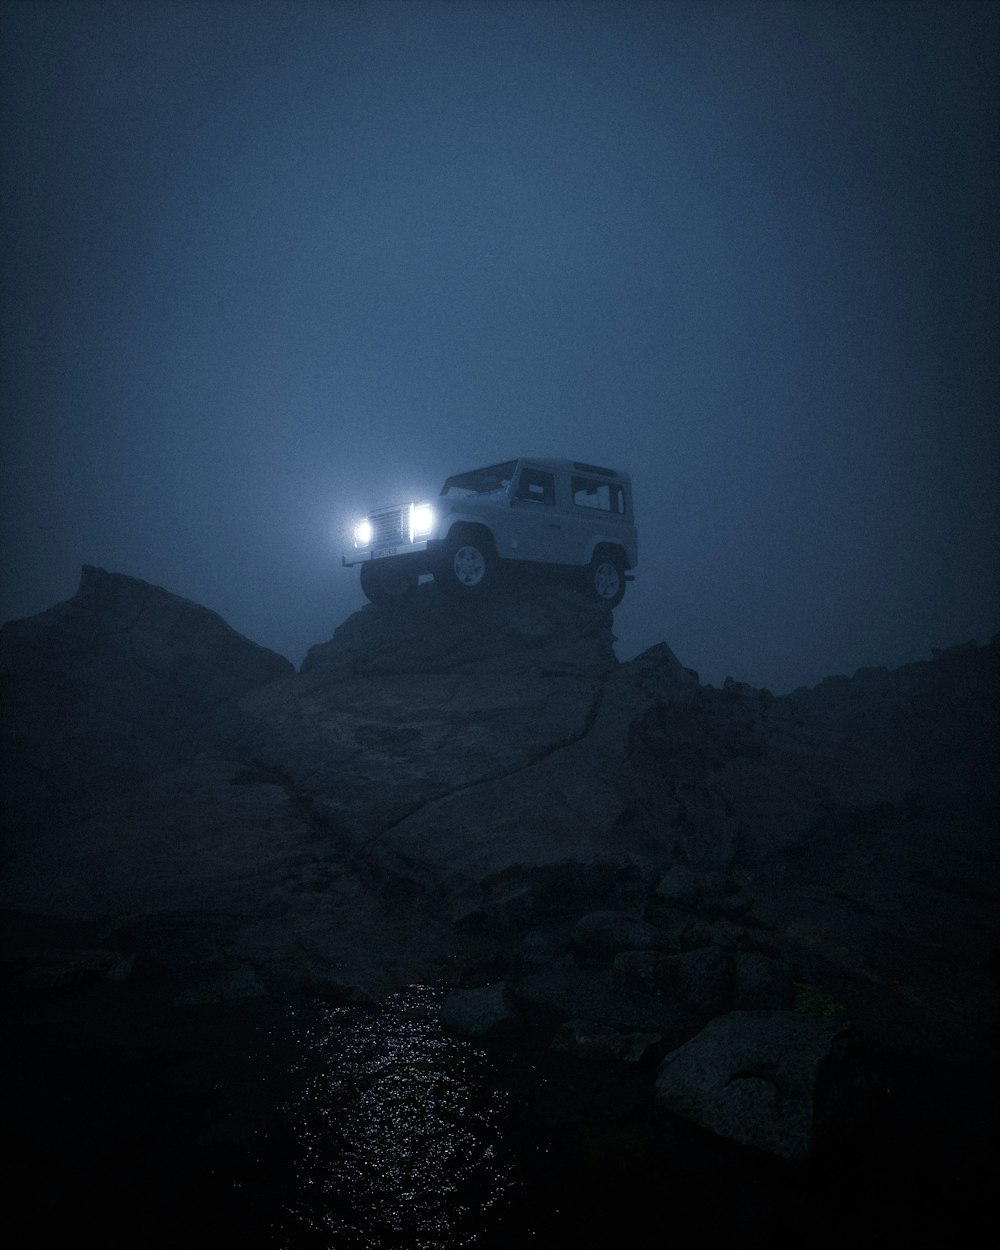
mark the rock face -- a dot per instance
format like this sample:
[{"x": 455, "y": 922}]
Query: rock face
[
  {"x": 414, "y": 729},
  {"x": 478, "y": 792},
  {"x": 115, "y": 685}
]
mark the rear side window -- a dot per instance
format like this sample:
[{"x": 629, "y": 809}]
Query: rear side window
[
  {"x": 605, "y": 496},
  {"x": 536, "y": 486}
]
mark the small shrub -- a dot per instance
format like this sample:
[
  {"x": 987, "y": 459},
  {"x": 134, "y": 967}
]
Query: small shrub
[{"x": 810, "y": 998}]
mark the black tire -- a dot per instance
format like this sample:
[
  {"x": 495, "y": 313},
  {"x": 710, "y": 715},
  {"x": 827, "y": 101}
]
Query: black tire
[
  {"x": 604, "y": 578},
  {"x": 387, "y": 581},
  {"x": 468, "y": 564}
]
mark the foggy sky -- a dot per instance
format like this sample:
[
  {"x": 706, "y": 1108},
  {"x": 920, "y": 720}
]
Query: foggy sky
[{"x": 267, "y": 265}]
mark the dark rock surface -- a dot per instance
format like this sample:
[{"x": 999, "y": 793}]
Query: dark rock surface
[
  {"x": 114, "y": 686},
  {"x": 758, "y": 1077},
  {"x": 478, "y": 794},
  {"x": 484, "y": 1012}
]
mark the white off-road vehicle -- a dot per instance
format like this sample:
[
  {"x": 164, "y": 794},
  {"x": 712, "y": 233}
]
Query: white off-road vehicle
[{"x": 550, "y": 512}]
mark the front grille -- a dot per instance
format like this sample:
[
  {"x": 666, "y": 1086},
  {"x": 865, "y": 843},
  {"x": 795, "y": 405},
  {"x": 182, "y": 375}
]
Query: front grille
[{"x": 387, "y": 527}]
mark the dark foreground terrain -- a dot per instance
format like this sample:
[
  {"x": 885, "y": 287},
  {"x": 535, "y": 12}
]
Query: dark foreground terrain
[{"x": 468, "y": 934}]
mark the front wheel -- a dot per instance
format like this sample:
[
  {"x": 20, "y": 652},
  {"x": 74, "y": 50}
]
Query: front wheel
[
  {"x": 604, "y": 579},
  {"x": 467, "y": 565},
  {"x": 386, "y": 581}
]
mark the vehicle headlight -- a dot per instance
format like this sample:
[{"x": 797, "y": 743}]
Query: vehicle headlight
[
  {"x": 421, "y": 520},
  {"x": 363, "y": 533}
]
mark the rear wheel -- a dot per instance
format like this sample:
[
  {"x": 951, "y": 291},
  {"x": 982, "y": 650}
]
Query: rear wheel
[
  {"x": 468, "y": 564},
  {"x": 604, "y": 578},
  {"x": 387, "y": 581}
]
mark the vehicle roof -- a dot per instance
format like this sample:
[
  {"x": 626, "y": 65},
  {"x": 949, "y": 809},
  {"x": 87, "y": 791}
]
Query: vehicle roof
[{"x": 577, "y": 466}]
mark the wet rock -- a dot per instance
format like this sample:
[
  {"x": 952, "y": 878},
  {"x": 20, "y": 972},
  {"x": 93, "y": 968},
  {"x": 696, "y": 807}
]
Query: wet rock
[
  {"x": 584, "y": 1039},
  {"x": 482, "y": 1012},
  {"x": 62, "y": 970},
  {"x": 761, "y": 1078},
  {"x": 233, "y": 986}
]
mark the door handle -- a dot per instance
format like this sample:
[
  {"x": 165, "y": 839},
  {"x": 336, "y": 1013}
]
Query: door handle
[{"x": 553, "y": 525}]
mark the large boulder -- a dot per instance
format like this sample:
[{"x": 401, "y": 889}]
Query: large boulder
[
  {"x": 483, "y": 1011},
  {"x": 115, "y": 685},
  {"x": 770, "y": 1079},
  {"x": 456, "y": 739},
  {"x": 538, "y": 627}
]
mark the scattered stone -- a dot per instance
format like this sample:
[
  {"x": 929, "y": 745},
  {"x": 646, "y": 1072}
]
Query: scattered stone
[
  {"x": 233, "y": 986},
  {"x": 680, "y": 885},
  {"x": 585, "y": 1039},
  {"x": 61, "y": 971}
]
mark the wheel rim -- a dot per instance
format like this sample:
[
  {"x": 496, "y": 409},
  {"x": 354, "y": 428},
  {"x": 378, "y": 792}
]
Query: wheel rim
[
  {"x": 607, "y": 580},
  {"x": 469, "y": 565}
]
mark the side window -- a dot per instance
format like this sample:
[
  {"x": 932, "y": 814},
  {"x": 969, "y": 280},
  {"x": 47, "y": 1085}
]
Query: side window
[
  {"x": 590, "y": 493},
  {"x": 536, "y": 486}
]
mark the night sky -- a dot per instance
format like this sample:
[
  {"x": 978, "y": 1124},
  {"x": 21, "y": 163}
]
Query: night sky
[{"x": 267, "y": 265}]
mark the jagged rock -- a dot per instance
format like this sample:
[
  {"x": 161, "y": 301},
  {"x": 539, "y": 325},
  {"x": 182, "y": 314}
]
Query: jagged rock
[
  {"x": 683, "y": 931},
  {"x": 548, "y": 629},
  {"x": 584, "y": 1039},
  {"x": 482, "y": 1012},
  {"x": 602, "y": 934},
  {"x": 759, "y": 982},
  {"x": 115, "y": 685},
  {"x": 233, "y": 986},
  {"x": 556, "y": 993},
  {"x": 401, "y": 709},
  {"x": 699, "y": 979},
  {"x": 762, "y": 1078},
  {"x": 71, "y": 968},
  {"x": 661, "y": 674},
  {"x": 681, "y": 885},
  {"x": 461, "y": 741},
  {"x": 539, "y": 948}
]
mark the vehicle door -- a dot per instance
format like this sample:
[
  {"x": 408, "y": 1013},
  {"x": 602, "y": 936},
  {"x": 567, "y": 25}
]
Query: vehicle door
[{"x": 535, "y": 527}]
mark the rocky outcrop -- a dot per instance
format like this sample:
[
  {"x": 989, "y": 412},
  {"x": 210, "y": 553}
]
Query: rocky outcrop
[
  {"x": 414, "y": 730},
  {"x": 477, "y": 792},
  {"x": 116, "y": 685}
]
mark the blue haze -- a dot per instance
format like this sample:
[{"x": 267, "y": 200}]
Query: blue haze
[{"x": 269, "y": 264}]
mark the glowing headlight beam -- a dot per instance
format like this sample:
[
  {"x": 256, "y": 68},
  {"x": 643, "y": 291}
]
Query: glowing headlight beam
[
  {"x": 421, "y": 520},
  {"x": 363, "y": 533}
]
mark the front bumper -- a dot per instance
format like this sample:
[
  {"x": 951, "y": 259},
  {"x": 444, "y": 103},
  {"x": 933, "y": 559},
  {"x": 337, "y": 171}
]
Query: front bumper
[{"x": 387, "y": 551}]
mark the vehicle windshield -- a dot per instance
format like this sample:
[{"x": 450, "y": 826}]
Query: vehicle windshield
[{"x": 481, "y": 481}]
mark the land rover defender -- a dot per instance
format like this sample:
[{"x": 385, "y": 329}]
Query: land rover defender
[{"x": 550, "y": 512}]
